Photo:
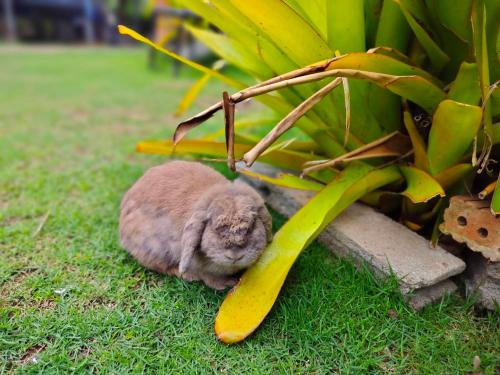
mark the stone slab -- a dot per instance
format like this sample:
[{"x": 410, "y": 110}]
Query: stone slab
[
  {"x": 425, "y": 296},
  {"x": 482, "y": 279},
  {"x": 364, "y": 235}
]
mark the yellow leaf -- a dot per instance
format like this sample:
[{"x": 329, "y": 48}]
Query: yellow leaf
[
  {"x": 421, "y": 186},
  {"x": 286, "y": 180},
  {"x": 279, "y": 158},
  {"x": 133, "y": 34},
  {"x": 419, "y": 148},
  {"x": 246, "y": 306}
]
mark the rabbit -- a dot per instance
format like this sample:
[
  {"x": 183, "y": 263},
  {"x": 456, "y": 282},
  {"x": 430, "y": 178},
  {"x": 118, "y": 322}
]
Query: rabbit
[{"x": 187, "y": 220}]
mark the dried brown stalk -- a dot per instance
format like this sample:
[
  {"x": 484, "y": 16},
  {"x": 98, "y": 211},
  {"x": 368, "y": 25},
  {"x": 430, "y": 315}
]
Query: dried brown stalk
[
  {"x": 487, "y": 190},
  {"x": 394, "y": 144},
  {"x": 286, "y": 123},
  {"x": 228, "y": 106},
  {"x": 265, "y": 87}
]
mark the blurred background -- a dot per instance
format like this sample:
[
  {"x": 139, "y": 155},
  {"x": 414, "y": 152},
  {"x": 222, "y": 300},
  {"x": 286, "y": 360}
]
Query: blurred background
[
  {"x": 93, "y": 22},
  {"x": 85, "y": 21}
]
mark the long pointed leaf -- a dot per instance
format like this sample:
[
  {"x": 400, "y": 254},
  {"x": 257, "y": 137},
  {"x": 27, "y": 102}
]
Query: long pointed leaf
[
  {"x": 346, "y": 25},
  {"x": 133, "y": 34},
  {"x": 279, "y": 158},
  {"x": 232, "y": 51},
  {"x": 301, "y": 42},
  {"x": 419, "y": 148},
  {"x": 438, "y": 58},
  {"x": 246, "y": 306},
  {"x": 495, "y": 200},
  {"x": 286, "y": 180}
]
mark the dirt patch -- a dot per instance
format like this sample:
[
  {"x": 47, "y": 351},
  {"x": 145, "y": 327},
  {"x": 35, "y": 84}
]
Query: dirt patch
[
  {"x": 24, "y": 304},
  {"x": 31, "y": 355},
  {"x": 13, "y": 220},
  {"x": 121, "y": 129},
  {"x": 17, "y": 277},
  {"x": 79, "y": 115},
  {"x": 85, "y": 350},
  {"x": 98, "y": 302}
]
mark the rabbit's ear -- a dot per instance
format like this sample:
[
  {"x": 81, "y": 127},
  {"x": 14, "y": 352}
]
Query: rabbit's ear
[
  {"x": 191, "y": 238},
  {"x": 267, "y": 220}
]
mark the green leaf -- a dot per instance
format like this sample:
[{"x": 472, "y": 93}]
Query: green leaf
[
  {"x": 454, "y": 127},
  {"x": 495, "y": 200},
  {"x": 493, "y": 42},
  {"x": 346, "y": 33},
  {"x": 465, "y": 88},
  {"x": 373, "y": 8},
  {"x": 314, "y": 11},
  {"x": 246, "y": 306},
  {"x": 226, "y": 17},
  {"x": 346, "y": 25},
  {"x": 478, "y": 17},
  {"x": 420, "y": 186},
  {"x": 451, "y": 176},
  {"x": 283, "y": 25},
  {"x": 436, "y": 55},
  {"x": 414, "y": 88},
  {"x": 232, "y": 51},
  {"x": 455, "y": 16},
  {"x": 380, "y": 63},
  {"x": 393, "y": 30}
]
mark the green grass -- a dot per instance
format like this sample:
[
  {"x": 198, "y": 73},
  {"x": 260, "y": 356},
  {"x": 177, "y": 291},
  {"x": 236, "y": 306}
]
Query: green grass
[{"x": 73, "y": 300}]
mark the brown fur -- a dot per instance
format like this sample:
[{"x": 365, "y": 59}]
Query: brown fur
[{"x": 185, "y": 219}]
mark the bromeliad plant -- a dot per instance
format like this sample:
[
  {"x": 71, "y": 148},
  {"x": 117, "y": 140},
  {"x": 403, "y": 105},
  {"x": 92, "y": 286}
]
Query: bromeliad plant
[{"x": 413, "y": 123}]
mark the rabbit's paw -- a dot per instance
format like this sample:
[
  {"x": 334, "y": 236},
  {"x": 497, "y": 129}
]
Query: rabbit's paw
[{"x": 220, "y": 282}]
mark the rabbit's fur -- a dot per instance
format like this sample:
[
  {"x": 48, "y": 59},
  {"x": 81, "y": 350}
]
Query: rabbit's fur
[{"x": 185, "y": 219}]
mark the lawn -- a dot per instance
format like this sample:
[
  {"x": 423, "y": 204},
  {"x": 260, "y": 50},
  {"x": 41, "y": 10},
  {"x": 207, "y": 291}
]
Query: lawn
[{"x": 71, "y": 300}]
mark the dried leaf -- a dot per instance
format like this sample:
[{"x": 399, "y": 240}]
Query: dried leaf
[
  {"x": 288, "y": 122},
  {"x": 394, "y": 144}
]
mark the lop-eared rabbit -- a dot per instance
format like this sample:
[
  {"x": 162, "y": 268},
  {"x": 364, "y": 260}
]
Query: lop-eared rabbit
[{"x": 185, "y": 219}]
